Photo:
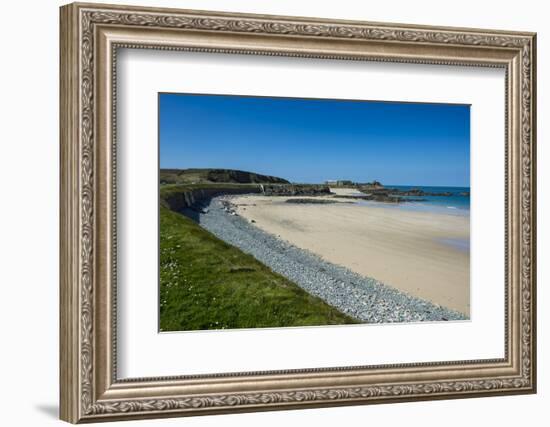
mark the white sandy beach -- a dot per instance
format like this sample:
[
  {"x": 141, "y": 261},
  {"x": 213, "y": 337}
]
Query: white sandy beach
[{"x": 400, "y": 248}]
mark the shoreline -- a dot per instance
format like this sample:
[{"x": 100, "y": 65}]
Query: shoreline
[
  {"x": 363, "y": 298},
  {"x": 423, "y": 254}
]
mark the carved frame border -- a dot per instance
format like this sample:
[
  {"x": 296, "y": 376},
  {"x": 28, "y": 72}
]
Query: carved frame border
[{"x": 85, "y": 394}]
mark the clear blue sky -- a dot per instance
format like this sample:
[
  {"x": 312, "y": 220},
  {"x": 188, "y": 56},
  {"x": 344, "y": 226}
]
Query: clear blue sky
[{"x": 307, "y": 140}]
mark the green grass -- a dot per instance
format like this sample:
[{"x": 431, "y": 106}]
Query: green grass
[{"x": 206, "y": 283}]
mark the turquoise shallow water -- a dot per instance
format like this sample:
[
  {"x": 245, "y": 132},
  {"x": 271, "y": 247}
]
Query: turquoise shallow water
[
  {"x": 455, "y": 204},
  {"x": 455, "y": 201}
]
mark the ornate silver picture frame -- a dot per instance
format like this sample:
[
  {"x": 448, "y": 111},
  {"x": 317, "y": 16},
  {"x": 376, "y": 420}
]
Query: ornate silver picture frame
[{"x": 91, "y": 34}]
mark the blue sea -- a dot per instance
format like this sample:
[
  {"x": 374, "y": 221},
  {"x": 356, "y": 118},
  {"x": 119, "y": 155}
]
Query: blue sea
[{"x": 455, "y": 204}]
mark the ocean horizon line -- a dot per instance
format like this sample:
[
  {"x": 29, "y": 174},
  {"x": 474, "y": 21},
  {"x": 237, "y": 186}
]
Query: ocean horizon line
[{"x": 424, "y": 185}]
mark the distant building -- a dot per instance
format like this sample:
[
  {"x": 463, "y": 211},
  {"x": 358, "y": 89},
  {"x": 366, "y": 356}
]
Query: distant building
[{"x": 338, "y": 182}]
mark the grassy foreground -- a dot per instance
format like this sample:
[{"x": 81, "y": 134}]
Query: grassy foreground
[{"x": 206, "y": 283}]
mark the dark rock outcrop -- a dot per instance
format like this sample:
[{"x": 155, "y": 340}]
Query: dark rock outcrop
[
  {"x": 229, "y": 176},
  {"x": 421, "y": 193},
  {"x": 242, "y": 177},
  {"x": 313, "y": 201},
  {"x": 295, "y": 190}
]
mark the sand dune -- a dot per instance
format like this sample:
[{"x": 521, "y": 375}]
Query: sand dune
[{"x": 408, "y": 250}]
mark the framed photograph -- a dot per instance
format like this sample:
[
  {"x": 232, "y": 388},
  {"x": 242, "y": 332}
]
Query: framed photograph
[{"x": 266, "y": 212}]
